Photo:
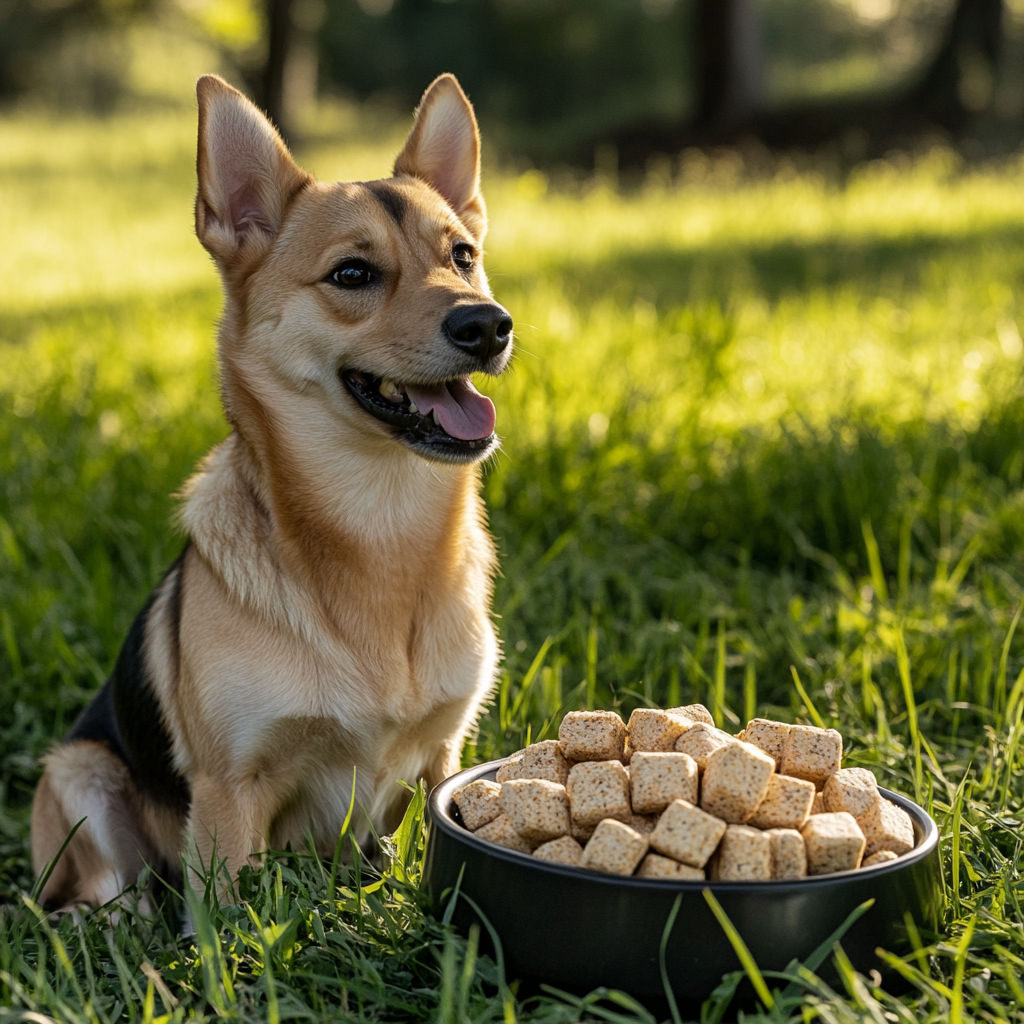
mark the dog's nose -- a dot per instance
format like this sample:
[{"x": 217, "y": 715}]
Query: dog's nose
[{"x": 483, "y": 329}]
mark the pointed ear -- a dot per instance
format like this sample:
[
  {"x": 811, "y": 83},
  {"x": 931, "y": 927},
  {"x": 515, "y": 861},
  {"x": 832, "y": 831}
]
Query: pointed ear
[
  {"x": 246, "y": 175},
  {"x": 443, "y": 150}
]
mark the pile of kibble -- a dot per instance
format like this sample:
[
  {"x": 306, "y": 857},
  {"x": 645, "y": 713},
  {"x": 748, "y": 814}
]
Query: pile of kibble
[{"x": 671, "y": 796}]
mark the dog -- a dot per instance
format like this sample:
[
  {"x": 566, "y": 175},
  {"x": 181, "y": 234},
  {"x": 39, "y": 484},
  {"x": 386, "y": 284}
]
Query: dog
[{"x": 331, "y": 608}]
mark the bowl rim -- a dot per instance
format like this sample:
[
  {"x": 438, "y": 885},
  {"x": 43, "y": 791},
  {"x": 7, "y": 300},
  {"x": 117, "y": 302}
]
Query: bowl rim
[{"x": 440, "y": 800}]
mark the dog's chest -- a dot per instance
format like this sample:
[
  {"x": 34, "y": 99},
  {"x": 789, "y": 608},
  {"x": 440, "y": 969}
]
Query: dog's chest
[{"x": 278, "y": 697}]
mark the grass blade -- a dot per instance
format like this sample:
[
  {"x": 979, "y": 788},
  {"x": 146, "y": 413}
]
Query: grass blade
[
  {"x": 740, "y": 947},
  {"x": 808, "y": 703},
  {"x": 666, "y": 984}
]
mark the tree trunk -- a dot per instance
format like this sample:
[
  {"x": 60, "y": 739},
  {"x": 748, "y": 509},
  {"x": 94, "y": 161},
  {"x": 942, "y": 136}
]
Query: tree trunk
[
  {"x": 729, "y": 67},
  {"x": 272, "y": 83},
  {"x": 959, "y": 82}
]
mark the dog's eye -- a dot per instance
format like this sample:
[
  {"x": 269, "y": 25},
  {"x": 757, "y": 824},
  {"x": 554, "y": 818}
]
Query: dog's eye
[
  {"x": 463, "y": 256},
  {"x": 351, "y": 274}
]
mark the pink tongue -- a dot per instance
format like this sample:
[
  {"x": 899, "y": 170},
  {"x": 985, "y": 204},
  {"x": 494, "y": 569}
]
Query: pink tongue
[{"x": 462, "y": 410}]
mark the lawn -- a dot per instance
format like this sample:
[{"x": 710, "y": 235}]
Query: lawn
[{"x": 754, "y": 422}]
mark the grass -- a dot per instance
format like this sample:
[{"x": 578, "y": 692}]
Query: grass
[{"x": 764, "y": 448}]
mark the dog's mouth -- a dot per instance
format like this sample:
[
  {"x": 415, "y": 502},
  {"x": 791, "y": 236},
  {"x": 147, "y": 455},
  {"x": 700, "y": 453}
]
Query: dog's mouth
[{"x": 449, "y": 421}]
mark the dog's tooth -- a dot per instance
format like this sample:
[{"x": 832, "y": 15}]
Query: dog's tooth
[
  {"x": 388, "y": 389},
  {"x": 412, "y": 406},
  {"x": 437, "y": 422}
]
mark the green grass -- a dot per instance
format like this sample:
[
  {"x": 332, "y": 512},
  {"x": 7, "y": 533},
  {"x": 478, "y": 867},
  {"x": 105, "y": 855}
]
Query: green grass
[{"x": 752, "y": 424}]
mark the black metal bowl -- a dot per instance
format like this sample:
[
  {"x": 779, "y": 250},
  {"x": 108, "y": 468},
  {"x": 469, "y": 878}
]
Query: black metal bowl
[{"x": 578, "y": 930}]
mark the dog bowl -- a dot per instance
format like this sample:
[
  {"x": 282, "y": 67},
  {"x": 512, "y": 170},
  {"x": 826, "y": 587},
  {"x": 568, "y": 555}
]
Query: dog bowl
[{"x": 578, "y": 930}]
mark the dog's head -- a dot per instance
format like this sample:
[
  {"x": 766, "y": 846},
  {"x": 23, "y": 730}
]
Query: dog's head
[{"x": 366, "y": 298}]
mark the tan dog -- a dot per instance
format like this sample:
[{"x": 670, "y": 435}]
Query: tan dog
[{"x": 331, "y": 608}]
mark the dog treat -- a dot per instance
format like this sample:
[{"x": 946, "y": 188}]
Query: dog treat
[
  {"x": 882, "y": 857},
  {"x": 592, "y": 736},
  {"x": 642, "y": 823},
  {"x": 545, "y": 760},
  {"x": 787, "y": 804},
  {"x": 886, "y": 827},
  {"x": 656, "y": 866},
  {"x": 735, "y": 782},
  {"x": 651, "y": 730},
  {"x": 563, "y": 850},
  {"x": 688, "y": 834},
  {"x": 479, "y": 803},
  {"x": 538, "y": 809},
  {"x": 693, "y": 802},
  {"x": 614, "y": 848},
  {"x": 696, "y": 713},
  {"x": 701, "y": 741},
  {"x": 656, "y": 779},
  {"x": 811, "y": 753},
  {"x": 768, "y": 736},
  {"x": 851, "y": 789},
  {"x": 501, "y": 833},
  {"x": 834, "y": 842},
  {"x": 744, "y": 855},
  {"x": 582, "y": 833},
  {"x": 598, "y": 790},
  {"x": 510, "y": 769},
  {"x": 789, "y": 854}
]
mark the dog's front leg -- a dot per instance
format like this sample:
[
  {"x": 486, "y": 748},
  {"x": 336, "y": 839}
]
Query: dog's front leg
[{"x": 230, "y": 822}]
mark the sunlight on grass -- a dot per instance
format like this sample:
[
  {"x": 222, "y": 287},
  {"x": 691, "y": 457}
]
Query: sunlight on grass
[{"x": 756, "y": 429}]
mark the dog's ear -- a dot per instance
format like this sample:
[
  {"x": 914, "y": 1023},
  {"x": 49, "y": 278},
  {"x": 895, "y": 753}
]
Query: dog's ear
[
  {"x": 246, "y": 175},
  {"x": 443, "y": 149}
]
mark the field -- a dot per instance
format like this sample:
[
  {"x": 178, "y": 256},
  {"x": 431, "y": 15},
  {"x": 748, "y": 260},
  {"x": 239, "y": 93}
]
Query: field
[{"x": 754, "y": 422}]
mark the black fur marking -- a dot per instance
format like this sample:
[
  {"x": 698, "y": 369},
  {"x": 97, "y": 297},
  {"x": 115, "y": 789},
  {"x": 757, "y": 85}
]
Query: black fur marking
[
  {"x": 125, "y": 714},
  {"x": 390, "y": 198},
  {"x": 97, "y": 723}
]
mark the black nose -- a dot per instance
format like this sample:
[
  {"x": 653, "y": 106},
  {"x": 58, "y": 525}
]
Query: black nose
[{"x": 483, "y": 329}]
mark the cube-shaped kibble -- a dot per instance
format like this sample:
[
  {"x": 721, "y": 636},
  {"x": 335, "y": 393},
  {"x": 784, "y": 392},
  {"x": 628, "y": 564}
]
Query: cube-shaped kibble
[
  {"x": 656, "y": 866},
  {"x": 563, "y": 850},
  {"x": 818, "y": 807},
  {"x": 789, "y": 855},
  {"x": 582, "y": 833},
  {"x": 614, "y": 848},
  {"x": 834, "y": 842},
  {"x": 744, "y": 855},
  {"x": 882, "y": 857},
  {"x": 652, "y": 729},
  {"x": 510, "y": 769},
  {"x": 592, "y": 736},
  {"x": 538, "y": 809},
  {"x": 642, "y": 823},
  {"x": 478, "y": 803},
  {"x": 696, "y": 713},
  {"x": 851, "y": 789},
  {"x": 544, "y": 760},
  {"x": 787, "y": 804},
  {"x": 501, "y": 832},
  {"x": 701, "y": 741},
  {"x": 886, "y": 827},
  {"x": 598, "y": 790},
  {"x": 686, "y": 833},
  {"x": 656, "y": 779},
  {"x": 735, "y": 782},
  {"x": 811, "y": 753},
  {"x": 768, "y": 736}
]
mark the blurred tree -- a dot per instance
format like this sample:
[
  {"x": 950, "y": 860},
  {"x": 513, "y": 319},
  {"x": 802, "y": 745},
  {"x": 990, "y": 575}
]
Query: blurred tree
[
  {"x": 29, "y": 27},
  {"x": 959, "y": 83},
  {"x": 280, "y": 33},
  {"x": 729, "y": 63}
]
